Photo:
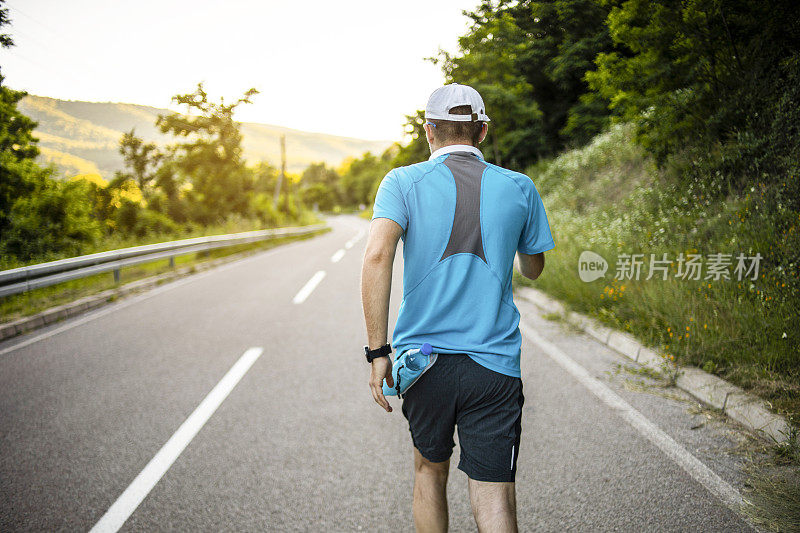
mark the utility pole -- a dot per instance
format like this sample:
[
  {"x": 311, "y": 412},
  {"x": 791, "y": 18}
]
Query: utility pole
[{"x": 282, "y": 175}]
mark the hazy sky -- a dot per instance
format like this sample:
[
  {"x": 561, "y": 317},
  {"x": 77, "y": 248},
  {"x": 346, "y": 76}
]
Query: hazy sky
[{"x": 345, "y": 67}]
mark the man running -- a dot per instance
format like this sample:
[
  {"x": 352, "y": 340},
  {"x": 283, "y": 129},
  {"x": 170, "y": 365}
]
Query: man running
[{"x": 462, "y": 221}]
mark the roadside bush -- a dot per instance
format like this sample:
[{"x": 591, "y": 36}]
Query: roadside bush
[
  {"x": 55, "y": 219},
  {"x": 132, "y": 219},
  {"x": 266, "y": 211}
]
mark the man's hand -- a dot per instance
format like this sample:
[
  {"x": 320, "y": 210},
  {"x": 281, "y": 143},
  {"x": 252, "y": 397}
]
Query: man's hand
[{"x": 381, "y": 368}]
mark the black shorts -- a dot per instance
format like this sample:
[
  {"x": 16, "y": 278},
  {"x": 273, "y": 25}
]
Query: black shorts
[{"x": 484, "y": 404}]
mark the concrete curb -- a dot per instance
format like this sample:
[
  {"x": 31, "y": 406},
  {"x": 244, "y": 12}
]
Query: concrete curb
[
  {"x": 746, "y": 409},
  {"x": 54, "y": 314}
]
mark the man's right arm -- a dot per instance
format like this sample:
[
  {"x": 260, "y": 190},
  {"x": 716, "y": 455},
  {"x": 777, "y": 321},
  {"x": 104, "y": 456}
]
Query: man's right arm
[{"x": 530, "y": 266}]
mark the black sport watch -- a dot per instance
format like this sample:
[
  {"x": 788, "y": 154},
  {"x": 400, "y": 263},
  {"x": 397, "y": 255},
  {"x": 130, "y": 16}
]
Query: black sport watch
[{"x": 383, "y": 351}]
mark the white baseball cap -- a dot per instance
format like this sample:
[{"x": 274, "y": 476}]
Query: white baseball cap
[{"x": 445, "y": 98}]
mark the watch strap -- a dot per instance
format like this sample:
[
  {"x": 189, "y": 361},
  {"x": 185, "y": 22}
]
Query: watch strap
[{"x": 384, "y": 350}]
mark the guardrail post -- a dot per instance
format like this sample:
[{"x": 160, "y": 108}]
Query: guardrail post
[
  {"x": 116, "y": 275},
  {"x": 172, "y": 261}
]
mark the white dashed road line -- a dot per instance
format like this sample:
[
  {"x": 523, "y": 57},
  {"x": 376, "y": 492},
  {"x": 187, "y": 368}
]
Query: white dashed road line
[
  {"x": 301, "y": 296},
  {"x": 144, "y": 296},
  {"x": 337, "y": 256},
  {"x": 140, "y": 487},
  {"x": 693, "y": 466},
  {"x": 349, "y": 244}
]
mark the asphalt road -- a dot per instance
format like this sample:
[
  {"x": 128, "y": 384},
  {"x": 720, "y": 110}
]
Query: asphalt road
[{"x": 298, "y": 443}]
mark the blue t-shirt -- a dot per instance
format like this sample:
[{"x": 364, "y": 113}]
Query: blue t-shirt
[{"x": 463, "y": 221}]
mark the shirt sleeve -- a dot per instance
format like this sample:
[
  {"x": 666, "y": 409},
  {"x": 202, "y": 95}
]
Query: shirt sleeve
[
  {"x": 390, "y": 202},
  {"x": 536, "y": 236}
]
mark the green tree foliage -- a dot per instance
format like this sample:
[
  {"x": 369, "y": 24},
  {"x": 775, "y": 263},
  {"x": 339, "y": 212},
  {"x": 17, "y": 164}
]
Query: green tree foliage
[
  {"x": 417, "y": 148},
  {"x": 528, "y": 60},
  {"x": 489, "y": 62},
  {"x": 6, "y": 40},
  {"x": 360, "y": 177},
  {"x": 211, "y": 157},
  {"x": 265, "y": 177},
  {"x": 17, "y": 152},
  {"x": 700, "y": 78},
  {"x": 17, "y": 144},
  {"x": 202, "y": 179},
  {"x": 563, "y": 37},
  {"x": 38, "y": 215},
  {"x": 156, "y": 175},
  {"x": 695, "y": 72},
  {"x": 321, "y": 186},
  {"x": 142, "y": 160},
  {"x": 55, "y": 218}
]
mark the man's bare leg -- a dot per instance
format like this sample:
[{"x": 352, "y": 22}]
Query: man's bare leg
[
  {"x": 494, "y": 506},
  {"x": 430, "y": 494}
]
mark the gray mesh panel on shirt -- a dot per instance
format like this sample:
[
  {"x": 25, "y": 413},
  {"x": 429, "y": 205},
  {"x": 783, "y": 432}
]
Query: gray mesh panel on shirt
[{"x": 465, "y": 236}]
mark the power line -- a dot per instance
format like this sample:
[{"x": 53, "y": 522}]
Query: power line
[
  {"x": 48, "y": 70},
  {"x": 42, "y": 24},
  {"x": 89, "y": 68}
]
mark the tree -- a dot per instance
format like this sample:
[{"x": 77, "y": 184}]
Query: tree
[
  {"x": 143, "y": 160},
  {"x": 211, "y": 158},
  {"x": 563, "y": 37},
  {"x": 18, "y": 177},
  {"x": 417, "y": 148},
  {"x": 319, "y": 173},
  {"x": 528, "y": 60},
  {"x": 18, "y": 173},
  {"x": 487, "y": 61},
  {"x": 5, "y": 39},
  {"x": 359, "y": 177},
  {"x": 694, "y": 72},
  {"x": 38, "y": 215},
  {"x": 56, "y": 218},
  {"x": 320, "y": 185}
]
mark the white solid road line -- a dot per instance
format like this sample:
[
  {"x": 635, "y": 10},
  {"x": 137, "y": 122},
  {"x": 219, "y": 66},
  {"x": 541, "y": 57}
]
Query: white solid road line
[
  {"x": 301, "y": 296},
  {"x": 700, "y": 472},
  {"x": 337, "y": 256},
  {"x": 138, "y": 490}
]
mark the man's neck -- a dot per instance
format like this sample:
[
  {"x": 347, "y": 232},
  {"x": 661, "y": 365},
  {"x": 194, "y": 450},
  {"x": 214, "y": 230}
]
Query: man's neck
[
  {"x": 454, "y": 147},
  {"x": 435, "y": 147}
]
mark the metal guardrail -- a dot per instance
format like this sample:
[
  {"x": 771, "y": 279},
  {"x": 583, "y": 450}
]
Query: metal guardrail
[{"x": 23, "y": 279}]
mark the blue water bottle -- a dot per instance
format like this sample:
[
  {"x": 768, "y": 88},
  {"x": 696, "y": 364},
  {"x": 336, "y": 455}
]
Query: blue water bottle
[{"x": 417, "y": 359}]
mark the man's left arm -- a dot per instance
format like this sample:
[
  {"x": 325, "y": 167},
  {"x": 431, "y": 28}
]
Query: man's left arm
[{"x": 376, "y": 285}]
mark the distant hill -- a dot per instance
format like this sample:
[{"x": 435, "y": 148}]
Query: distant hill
[{"x": 83, "y": 137}]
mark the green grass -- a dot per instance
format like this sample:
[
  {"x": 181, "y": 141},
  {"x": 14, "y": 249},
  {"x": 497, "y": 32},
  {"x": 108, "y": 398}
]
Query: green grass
[
  {"x": 553, "y": 317},
  {"x": 772, "y": 488},
  {"x": 609, "y": 198},
  {"x": 775, "y": 501},
  {"x": 29, "y": 303}
]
